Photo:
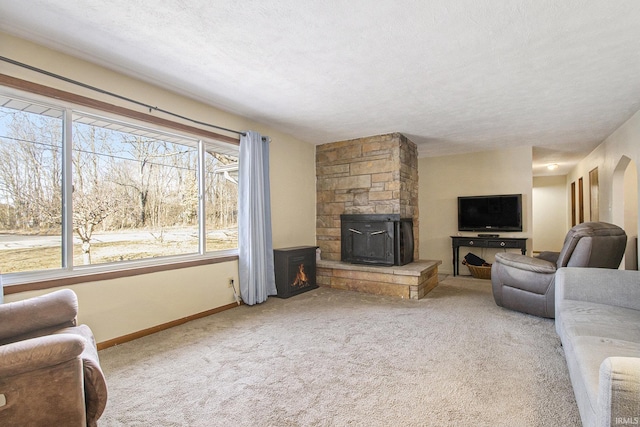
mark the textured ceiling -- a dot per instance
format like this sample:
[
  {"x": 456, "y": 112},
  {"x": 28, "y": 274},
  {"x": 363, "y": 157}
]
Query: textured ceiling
[{"x": 455, "y": 76}]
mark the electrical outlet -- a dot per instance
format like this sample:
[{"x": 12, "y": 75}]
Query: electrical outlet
[{"x": 231, "y": 282}]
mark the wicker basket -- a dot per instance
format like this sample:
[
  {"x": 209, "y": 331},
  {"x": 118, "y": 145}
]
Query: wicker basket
[{"x": 479, "y": 271}]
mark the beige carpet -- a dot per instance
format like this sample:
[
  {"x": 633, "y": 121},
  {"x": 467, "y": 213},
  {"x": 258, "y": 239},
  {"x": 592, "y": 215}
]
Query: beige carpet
[{"x": 341, "y": 358}]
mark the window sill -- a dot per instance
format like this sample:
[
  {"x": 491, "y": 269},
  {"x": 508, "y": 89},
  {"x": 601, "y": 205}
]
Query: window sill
[{"x": 74, "y": 279}]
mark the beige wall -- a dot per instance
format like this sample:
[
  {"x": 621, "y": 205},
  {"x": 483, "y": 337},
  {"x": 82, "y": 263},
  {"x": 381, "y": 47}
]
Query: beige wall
[
  {"x": 549, "y": 207},
  {"x": 443, "y": 179},
  {"x": 612, "y": 158},
  {"x": 631, "y": 216},
  {"x": 114, "y": 308}
]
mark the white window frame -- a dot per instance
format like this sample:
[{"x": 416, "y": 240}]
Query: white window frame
[{"x": 132, "y": 267}]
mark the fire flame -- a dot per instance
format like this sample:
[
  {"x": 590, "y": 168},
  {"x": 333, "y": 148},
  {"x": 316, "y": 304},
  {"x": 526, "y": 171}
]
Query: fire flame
[{"x": 301, "y": 277}]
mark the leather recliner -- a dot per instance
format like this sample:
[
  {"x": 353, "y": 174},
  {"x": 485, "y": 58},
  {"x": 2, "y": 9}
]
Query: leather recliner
[
  {"x": 527, "y": 284},
  {"x": 50, "y": 374}
]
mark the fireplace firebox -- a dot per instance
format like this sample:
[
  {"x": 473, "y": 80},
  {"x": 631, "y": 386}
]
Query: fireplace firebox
[
  {"x": 378, "y": 239},
  {"x": 295, "y": 270}
]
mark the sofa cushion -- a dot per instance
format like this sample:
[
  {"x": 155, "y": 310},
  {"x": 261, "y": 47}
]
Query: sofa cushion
[
  {"x": 580, "y": 318},
  {"x": 579, "y": 241},
  {"x": 589, "y": 353},
  {"x": 522, "y": 262}
]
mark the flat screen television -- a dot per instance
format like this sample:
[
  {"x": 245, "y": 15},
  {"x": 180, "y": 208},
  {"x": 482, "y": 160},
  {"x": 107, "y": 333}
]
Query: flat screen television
[{"x": 490, "y": 213}]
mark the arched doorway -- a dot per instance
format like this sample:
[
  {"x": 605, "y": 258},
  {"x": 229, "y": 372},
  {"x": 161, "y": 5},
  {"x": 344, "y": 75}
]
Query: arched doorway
[{"x": 625, "y": 207}]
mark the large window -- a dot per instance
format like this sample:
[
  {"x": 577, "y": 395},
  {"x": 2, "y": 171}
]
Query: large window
[{"x": 81, "y": 191}]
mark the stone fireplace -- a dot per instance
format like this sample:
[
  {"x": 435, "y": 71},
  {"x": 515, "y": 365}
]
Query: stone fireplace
[
  {"x": 376, "y": 175},
  {"x": 372, "y": 175}
]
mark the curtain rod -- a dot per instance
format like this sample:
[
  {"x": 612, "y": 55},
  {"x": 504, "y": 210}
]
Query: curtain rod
[{"x": 105, "y": 92}]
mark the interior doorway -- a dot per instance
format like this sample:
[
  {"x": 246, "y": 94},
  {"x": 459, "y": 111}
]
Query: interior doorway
[{"x": 625, "y": 208}]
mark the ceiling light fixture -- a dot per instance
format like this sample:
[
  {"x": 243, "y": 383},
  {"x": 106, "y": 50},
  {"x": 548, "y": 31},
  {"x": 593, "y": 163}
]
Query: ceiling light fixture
[{"x": 552, "y": 166}]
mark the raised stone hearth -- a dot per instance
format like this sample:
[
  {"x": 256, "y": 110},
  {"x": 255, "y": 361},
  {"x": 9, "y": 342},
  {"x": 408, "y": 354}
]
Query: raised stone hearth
[{"x": 411, "y": 281}]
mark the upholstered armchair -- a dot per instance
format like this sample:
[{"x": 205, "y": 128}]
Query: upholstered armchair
[
  {"x": 50, "y": 374},
  {"x": 527, "y": 284}
]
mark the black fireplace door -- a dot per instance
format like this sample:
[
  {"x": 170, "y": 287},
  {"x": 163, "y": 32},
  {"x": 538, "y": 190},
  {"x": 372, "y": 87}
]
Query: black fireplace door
[{"x": 368, "y": 242}]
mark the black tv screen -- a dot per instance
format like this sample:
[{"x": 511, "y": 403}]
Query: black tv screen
[{"x": 490, "y": 213}]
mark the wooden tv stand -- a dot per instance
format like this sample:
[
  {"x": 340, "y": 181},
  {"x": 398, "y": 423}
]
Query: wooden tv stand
[{"x": 485, "y": 242}]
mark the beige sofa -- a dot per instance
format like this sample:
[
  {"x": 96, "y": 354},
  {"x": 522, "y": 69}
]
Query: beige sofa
[
  {"x": 598, "y": 321},
  {"x": 50, "y": 373}
]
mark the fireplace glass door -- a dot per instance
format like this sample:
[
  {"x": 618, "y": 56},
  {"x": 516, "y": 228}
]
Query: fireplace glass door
[{"x": 377, "y": 239}]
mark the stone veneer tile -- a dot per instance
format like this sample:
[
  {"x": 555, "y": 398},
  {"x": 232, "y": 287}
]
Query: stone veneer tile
[
  {"x": 340, "y": 170},
  {"x": 330, "y": 209},
  {"x": 382, "y": 177},
  {"x": 344, "y": 183},
  {"x": 373, "y": 166},
  {"x": 380, "y": 195}
]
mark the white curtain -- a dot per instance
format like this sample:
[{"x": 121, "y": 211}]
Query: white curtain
[{"x": 257, "y": 277}]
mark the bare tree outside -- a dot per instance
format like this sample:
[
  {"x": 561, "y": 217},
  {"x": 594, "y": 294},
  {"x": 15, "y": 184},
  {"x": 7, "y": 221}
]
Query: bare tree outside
[
  {"x": 92, "y": 200},
  {"x": 135, "y": 191},
  {"x": 30, "y": 188}
]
